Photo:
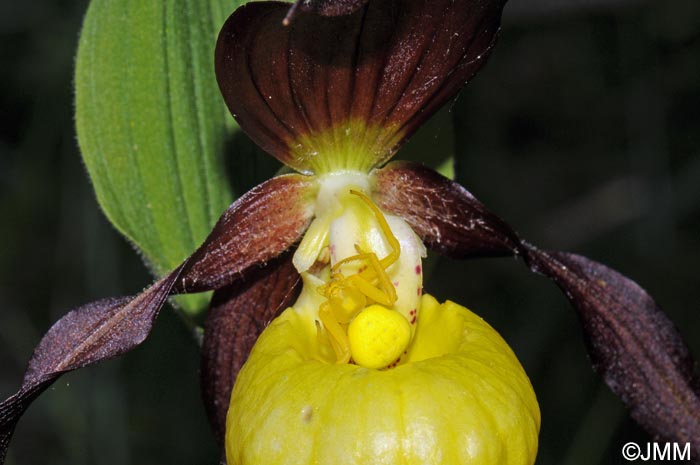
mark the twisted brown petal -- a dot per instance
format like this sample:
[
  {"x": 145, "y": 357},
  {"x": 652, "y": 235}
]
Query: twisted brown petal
[
  {"x": 632, "y": 343},
  {"x": 254, "y": 230},
  {"x": 84, "y": 336},
  {"x": 346, "y": 91},
  {"x": 237, "y": 315}
]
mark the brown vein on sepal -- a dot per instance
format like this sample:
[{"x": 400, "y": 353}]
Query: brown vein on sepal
[
  {"x": 395, "y": 61},
  {"x": 260, "y": 225}
]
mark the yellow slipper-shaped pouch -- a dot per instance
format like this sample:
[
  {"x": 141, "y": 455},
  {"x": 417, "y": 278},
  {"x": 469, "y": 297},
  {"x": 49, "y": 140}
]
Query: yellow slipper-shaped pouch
[{"x": 458, "y": 397}]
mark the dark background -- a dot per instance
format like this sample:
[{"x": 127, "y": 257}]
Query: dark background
[{"x": 583, "y": 132}]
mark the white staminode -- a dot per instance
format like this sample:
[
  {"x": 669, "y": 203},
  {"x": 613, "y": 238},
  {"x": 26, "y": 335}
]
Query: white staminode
[{"x": 346, "y": 225}]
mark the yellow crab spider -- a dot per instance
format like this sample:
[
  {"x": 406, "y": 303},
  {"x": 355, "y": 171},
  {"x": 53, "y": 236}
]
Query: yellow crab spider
[
  {"x": 349, "y": 295},
  {"x": 383, "y": 293}
]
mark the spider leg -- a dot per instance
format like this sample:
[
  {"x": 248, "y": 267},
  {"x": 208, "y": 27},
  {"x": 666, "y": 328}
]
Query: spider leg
[
  {"x": 337, "y": 336},
  {"x": 353, "y": 258},
  {"x": 347, "y": 295},
  {"x": 384, "y": 226},
  {"x": 384, "y": 292}
]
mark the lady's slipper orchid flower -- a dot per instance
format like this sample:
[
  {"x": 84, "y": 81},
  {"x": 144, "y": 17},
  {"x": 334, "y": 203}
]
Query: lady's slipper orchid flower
[{"x": 363, "y": 367}]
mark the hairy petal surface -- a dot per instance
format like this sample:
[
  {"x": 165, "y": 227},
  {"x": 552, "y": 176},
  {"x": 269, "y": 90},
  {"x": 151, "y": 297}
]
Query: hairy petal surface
[
  {"x": 236, "y": 317},
  {"x": 328, "y": 93},
  {"x": 448, "y": 218},
  {"x": 260, "y": 225},
  {"x": 632, "y": 343},
  {"x": 254, "y": 230},
  {"x": 324, "y": 7}
]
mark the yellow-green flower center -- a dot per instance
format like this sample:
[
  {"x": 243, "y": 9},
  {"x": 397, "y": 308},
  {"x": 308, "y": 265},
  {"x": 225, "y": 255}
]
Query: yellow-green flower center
[{"x": 349, "y": 145}]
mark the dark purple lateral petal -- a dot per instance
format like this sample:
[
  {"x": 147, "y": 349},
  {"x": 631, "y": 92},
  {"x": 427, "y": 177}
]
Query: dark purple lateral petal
[
  {"x": 322, "y": 90},
  {"x": 632, "y": 343},
  {"x": 259, "y": 226},
  {"x": 448, "y": 218},
  {"x": 84, "y": 336},
  {"x": 255, "y": 229},
  {"x": 237, "y": 315}
]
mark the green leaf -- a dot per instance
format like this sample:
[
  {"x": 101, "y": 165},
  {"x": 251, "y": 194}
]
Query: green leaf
[{"x": 151, "y": 123}]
